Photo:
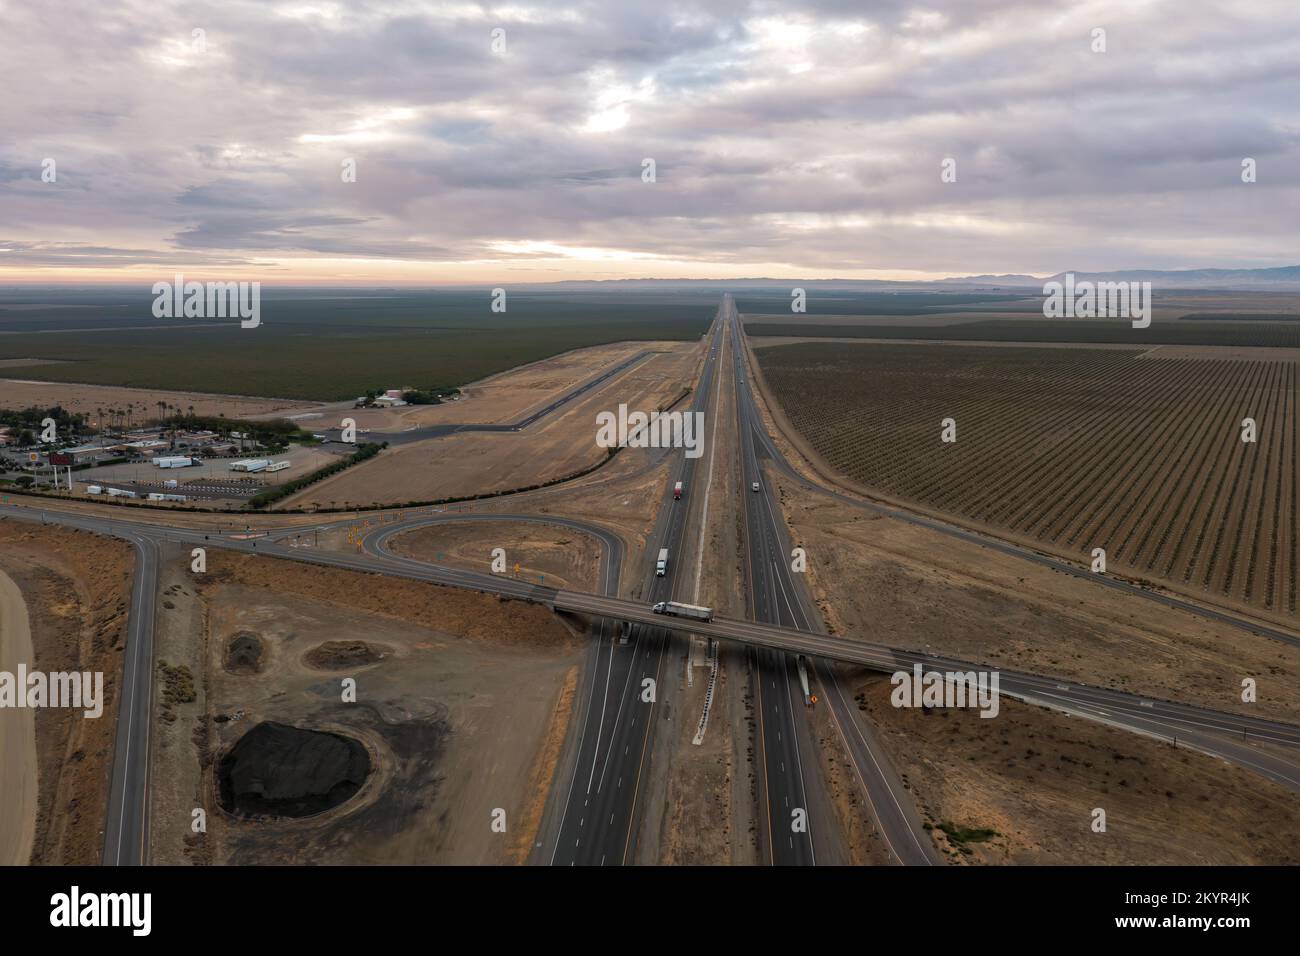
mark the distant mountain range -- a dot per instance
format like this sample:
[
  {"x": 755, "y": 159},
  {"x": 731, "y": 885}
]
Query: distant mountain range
[
  {"x": 1281, "y": 278},
  {"x": 1277, "y": 279}
]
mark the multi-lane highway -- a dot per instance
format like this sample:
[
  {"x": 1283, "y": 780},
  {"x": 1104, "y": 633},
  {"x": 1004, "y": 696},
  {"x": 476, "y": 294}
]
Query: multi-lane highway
[
  {"x": 778, "y": 595},
  {"x": 601, "y": 808},
  {"x": 790, "y": 820},
  {"x": 595, "y": 818}
]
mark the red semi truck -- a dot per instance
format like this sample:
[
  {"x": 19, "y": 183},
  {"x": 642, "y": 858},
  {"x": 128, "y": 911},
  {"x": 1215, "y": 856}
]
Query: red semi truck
[{"x": 677, "y": 491}]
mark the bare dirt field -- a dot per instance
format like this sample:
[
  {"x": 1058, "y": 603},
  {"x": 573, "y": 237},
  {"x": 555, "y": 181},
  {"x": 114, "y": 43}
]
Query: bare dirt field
[
  {"x": 549, "y": 554},
  {"x": 510, "y": 395},
  {"x": 17, "y": 734},
  {"x": 473, "y": 463},
  {"x": 1022, "y": 788},
  {"x": 897, "y": 584},
  {"x": 462, "y": 702},
  {"x": 622, "y": 496},
  {"x": 85, "y": 399},
  {"x": 76, "y": 587}
]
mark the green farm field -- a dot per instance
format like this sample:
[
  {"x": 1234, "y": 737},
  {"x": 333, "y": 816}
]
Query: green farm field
[{"x": 321, "y": 346}]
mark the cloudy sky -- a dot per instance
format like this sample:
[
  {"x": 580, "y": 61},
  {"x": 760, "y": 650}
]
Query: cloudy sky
[{"x": 789, "y": 139}]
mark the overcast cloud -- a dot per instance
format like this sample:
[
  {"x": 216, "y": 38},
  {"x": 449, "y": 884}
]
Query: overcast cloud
[{"x": 789, "y": 138}]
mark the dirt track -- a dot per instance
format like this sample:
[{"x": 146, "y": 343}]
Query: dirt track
[{"x": 17, "y": 734}]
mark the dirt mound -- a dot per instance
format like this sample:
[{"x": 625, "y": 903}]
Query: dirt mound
[
  {"x": 278, "y": 770},
  {"x": 244, "y": 653},
  {"x": 339, "y": 655}
]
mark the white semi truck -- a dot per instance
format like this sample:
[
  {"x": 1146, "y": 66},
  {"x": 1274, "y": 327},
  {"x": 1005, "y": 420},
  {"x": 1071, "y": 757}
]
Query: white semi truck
[
  {"x": 693, "y": 611},
  {"x": 661, "y": 566}
]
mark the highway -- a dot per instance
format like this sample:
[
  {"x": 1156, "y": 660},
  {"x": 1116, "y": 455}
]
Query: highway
[
  {"x": 1229, "y": 736},
  {"x": 615, "y": 748},
  {"x": 780, "y": 596},
  {"x": 774, "y": 598},
  {"x": 593, "y": 817},
  {"x": 604, "y": 801},
  {"x": 126, "y": 831},
  {"x": 1222, "y": 735}
]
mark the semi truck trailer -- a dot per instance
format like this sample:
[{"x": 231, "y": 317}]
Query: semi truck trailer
[
  {"x": 692, "y": 611},
  {"x": 661, "y": 566}
]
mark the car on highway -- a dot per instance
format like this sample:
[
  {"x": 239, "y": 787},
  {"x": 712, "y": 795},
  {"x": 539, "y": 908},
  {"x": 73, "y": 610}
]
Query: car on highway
[{"x": 754, "y": 486}]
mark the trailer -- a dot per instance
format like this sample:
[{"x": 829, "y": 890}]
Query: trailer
[
  {"x": 120, "y": 493},
  {"x": 160, "y": 496},
  {"x": 171, "y": 483},
  {"x": 661, "y": 566},
  {"x": 94, "y": 490},
  {"x": 677, "y": 491},
  {"x": 250, "y": 465},
  {"x": 179, "y": 461},
  {"x": 693, "y": 611},
  {"x": 279, "y": 465}
]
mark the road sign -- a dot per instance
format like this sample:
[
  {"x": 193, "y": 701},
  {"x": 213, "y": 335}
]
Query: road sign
[{"x": 60, "y": 458}]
